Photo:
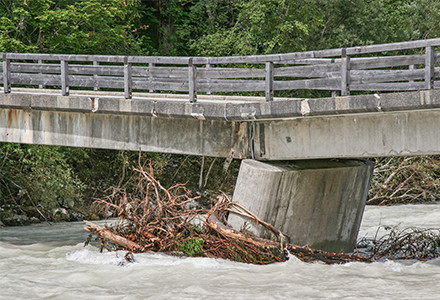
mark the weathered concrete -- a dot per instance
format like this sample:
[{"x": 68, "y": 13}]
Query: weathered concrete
[
  {"x": 124, "y": 132},
  {"x": 227, "y": 126},
  {"x": 318, "y": 203},
  {"x": 350, "y": 136},
  {"x": 214, "y": 107}
]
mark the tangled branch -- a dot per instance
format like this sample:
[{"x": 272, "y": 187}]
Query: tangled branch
[
  {"x": 157, "y": 219},
  {"x": 405, "y": 180}
]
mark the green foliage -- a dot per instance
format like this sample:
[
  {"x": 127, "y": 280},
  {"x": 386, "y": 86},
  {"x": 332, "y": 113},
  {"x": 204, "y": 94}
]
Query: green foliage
[
  {"x": 192, "y": 247},
  {"x": 363, "y": 22},
  {"x": 259, "y": 27},
  {"x": 101, "y": 169},
  {"x": 210, "y": 27},
  {"x": 38, "y": 176},
  {"x": 92, "y": 26},
  {"x": 405, "y": 180},
  {"x": 350, "y": 23}
]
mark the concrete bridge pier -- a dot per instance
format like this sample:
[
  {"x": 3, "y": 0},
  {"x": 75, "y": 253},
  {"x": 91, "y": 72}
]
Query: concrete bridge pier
[{"x": 318, "y": 203}]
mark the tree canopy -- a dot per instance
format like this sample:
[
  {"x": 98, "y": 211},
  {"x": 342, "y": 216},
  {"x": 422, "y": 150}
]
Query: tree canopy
[{"x": 210, "y": 27}]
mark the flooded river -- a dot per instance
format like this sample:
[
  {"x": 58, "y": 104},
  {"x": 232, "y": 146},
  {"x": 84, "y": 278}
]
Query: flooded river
[{"x": 50, "y": 262}]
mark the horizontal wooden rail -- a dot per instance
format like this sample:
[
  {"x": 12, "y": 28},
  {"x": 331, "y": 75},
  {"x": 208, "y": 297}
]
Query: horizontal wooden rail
[{"x": 342, "y": 70}]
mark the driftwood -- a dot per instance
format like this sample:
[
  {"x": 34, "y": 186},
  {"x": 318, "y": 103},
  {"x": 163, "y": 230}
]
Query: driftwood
[
  {"x": 213, "y": 222},
  {"x": 303, "y": 253},
  {"x": 109, "y": 235},
  {"x": 157, "y": 219}
]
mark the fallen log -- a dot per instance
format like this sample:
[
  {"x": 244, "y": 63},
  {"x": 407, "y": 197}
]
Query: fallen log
[
  {"x": 213, "y": 222},
  {"x": 303, "y": 253},
  {"x": 108, "y": 235}
]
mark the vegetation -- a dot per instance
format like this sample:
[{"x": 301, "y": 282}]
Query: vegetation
[
  {"x": 405, "y": 180},
  {"x": 410, "y": 243},
  {"x": 47, "y": 180}
]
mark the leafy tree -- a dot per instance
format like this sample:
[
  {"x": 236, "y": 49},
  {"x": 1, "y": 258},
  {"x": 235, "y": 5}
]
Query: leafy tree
[
  {"x": 259, "y": 27},
  {"x": 39, "y": 176},
  {"x": 72, "y": 26}
]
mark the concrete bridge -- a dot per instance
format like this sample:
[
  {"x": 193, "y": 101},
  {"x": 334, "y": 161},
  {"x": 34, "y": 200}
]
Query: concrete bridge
[{"x": 175, "y": 105}]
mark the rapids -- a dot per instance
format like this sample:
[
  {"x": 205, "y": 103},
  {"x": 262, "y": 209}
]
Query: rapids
[{"x": 50, "y": 262}]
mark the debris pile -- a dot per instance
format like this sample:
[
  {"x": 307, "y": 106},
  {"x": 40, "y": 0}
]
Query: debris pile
[
  {"x": 409, "y": 243},
  {"x": 159, "y": 219}
]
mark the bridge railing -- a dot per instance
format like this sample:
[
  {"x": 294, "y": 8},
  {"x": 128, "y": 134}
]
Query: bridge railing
[{"x": 339, "y": 70}]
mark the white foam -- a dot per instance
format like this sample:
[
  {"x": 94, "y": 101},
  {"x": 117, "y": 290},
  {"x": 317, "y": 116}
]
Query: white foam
[{"x": 94, "y": 257}]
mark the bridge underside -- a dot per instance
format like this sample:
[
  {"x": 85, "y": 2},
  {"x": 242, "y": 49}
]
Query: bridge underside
[
  {"x": 350, "y": 136},
  {"x": 124, "y": 132},
  {"x": 234, "y": 128}
]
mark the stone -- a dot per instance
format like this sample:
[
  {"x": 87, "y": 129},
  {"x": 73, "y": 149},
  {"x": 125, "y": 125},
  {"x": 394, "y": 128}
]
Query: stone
[
  {"x": 318, "y": 203},
  {"x": 61, "y": 214}
]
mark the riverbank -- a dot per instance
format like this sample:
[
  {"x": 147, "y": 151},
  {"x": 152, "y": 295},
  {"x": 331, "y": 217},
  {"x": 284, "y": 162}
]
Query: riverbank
[{"x": 21, "y": 216}]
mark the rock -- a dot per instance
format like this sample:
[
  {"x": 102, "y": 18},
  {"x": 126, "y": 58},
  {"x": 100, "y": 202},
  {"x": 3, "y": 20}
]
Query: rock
[
  {"x": 61, "y": 214},
  {"x": 70, "y": 203},
  {"x": 16, "y": 220},
  {"x": 76, "y": 216},
  {"x": 34, "y": 220}
]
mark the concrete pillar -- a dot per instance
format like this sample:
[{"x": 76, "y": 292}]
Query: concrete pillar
[{"x": 318, "y": 203}]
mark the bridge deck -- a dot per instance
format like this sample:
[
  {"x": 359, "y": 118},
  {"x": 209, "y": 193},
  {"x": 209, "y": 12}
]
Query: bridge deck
[
  {"x": 74, "y": 111},
  {"x": 215, "y": 107},
  {"x": 239, "y": 127}
]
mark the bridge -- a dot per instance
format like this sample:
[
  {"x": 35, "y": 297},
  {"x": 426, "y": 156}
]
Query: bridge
[{"x": 383, "y": 100}]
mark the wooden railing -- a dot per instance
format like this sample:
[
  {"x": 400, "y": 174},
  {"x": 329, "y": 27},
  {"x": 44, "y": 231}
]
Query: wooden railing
[{"x": 338, "y": 70}]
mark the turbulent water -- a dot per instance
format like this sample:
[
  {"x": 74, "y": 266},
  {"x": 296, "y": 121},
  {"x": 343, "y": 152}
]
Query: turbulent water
[{"x": 50, "y": 262}]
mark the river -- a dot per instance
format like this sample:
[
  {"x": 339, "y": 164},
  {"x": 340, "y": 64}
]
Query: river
[{"x": 50, "y": 262}]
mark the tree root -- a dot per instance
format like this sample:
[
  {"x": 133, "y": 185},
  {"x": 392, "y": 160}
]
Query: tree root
[{"x": 109, "y": 235}]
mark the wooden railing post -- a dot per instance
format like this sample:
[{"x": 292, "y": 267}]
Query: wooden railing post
[
  {"x": 41, "y": 86},
  {"x": 335, "y": 93},
  {"x": 6, "y": 74},
  {"x": 269, "y": 81},
  {"x": 150, "y": 75},
  {"x": 192, "y": 81},
  {"x": 208, "y": 66},
  {"x": 345, "y": 73},
  {"x": 411, "y": 68},
  {"x": 95, "y": 76},
  {"x": 64, "y": 78},
  {"x": 127, "y": 79},
  {"x": 429, "y": 67}
]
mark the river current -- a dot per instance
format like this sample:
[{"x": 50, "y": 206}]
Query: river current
[{"x": 50, "y": 262}]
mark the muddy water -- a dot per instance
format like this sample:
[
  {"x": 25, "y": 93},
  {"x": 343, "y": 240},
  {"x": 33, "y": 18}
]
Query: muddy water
[{"x": 50, "y": 262}]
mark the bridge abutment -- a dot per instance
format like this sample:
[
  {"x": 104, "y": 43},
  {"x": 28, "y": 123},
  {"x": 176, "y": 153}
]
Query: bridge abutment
[{"x": 318, "y": 203}]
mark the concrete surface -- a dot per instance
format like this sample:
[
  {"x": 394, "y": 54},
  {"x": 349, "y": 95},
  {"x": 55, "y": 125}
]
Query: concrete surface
[
  {"x": 350, "y": 136},
  {"x": 227, "y": 126},
  {"x": 124, "y": 132},
  {"x": 318, "y": 203}
]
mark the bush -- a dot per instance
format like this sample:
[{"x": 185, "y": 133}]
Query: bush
[
  {"x": 405, "y": 180},
  {"x": 39, "y": 177}
]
